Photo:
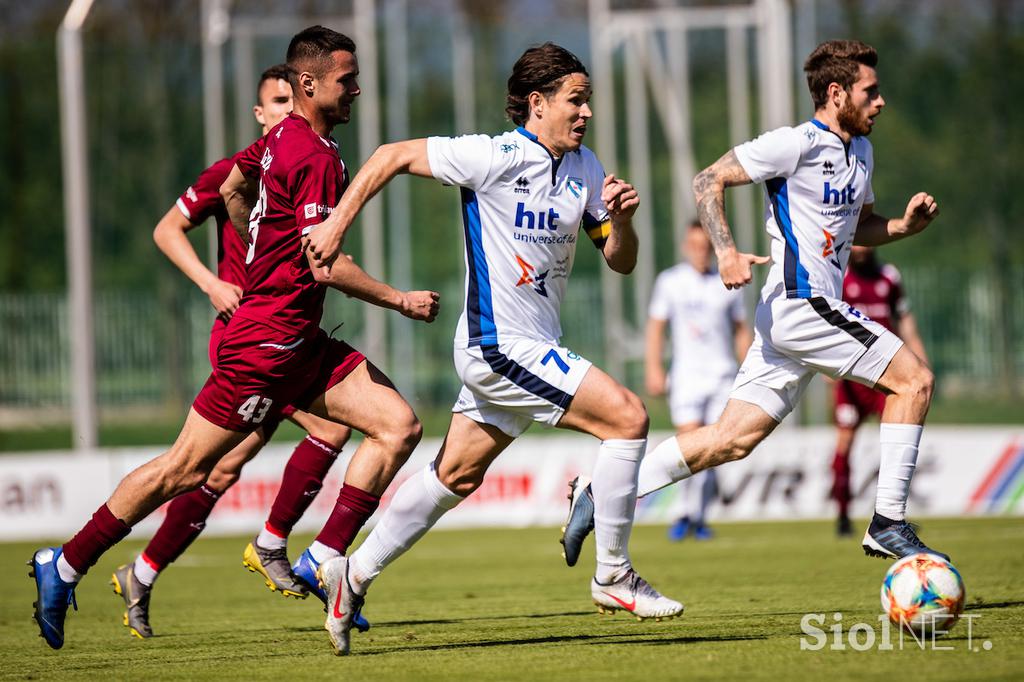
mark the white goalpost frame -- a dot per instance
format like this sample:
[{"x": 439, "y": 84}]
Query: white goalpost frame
[{"x": 638, "y": 33}]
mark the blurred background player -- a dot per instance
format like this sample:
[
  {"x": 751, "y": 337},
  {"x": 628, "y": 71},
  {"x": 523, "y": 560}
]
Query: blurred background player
[
  {"x": 313, "y": 456},
  {"x": 273, "y": 353},
  {"x": 526, "y": 194},
  {"x": 707, "y": 323},
  {"x": 875, "y": 289}
]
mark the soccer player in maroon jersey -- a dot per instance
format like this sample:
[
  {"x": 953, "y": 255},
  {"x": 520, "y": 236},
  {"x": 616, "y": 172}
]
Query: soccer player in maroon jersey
[
  {"x": 876, "y": 290},
  {"x": 313, "y": 456},
  {"x": 273, "y": 352}
]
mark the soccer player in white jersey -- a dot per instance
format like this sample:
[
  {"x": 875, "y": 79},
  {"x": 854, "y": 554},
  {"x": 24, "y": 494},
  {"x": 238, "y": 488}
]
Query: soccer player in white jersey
[
  {"x": 525, "y": 196},
  {"x": 817, "y": 179},
  {"x": 709, "y": 330}
]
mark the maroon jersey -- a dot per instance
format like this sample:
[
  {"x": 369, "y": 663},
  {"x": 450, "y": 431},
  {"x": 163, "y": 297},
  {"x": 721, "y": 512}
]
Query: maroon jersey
[
  {"x": 248, "y": 160},
  {"x": 202, "y": 200},
  {"x": 302, "y": 178},
  {"x": 878, "y": 293}
]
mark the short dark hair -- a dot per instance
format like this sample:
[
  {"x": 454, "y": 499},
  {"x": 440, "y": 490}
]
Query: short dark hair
[
  {"x": 540, "y": 69},
  {"x": 836, "y": 61},
  {"x": 277, "y": 72},
  {"x": 311, "y": 48}
]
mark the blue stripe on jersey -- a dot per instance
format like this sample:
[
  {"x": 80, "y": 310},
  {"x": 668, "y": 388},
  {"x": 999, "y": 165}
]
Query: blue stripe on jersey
[
  {"x": 795, "y": 274},
  {"x": 479, "y": 310},
  {"x": 819, "y": 124},
  {"x": 524, "y": 378}
]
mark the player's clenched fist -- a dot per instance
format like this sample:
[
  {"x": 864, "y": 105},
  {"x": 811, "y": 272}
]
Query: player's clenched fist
[
  {"x": 619, "y": 197},
  {"x": 921, "y": 210},
  {"x": 421, "y": 305}
]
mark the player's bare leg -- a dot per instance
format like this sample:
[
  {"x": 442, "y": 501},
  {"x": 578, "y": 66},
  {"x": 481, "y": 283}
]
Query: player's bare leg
[
  {"x": 185, "y": 466},
  {"x": 185, "y": 520},
  {"x": 367, "y": 401},
  {"x": 910, "y": 383},
  {"x": 604, "y": 408}
]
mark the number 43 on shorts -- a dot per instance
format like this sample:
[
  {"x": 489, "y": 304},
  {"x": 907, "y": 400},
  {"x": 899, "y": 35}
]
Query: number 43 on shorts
[{"x": 255, "y": 409}]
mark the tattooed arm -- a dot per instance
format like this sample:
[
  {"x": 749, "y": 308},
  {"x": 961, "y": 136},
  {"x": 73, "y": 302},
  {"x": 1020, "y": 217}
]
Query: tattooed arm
[{"x": 709, "y": 188}]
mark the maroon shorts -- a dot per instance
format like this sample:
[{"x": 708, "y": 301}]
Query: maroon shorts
[
  {"x": 855, "y": 402},
  {"x": 260, "y": 372}
]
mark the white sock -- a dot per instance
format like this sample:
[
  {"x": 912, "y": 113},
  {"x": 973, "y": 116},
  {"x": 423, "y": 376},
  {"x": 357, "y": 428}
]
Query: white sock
[
  {"x": 64, "y": 570},
  {"x": 268, "y": 539},
  {"x": 415, "y": 508},
  {"x": 896, "y": 468},
  {"x": 664, "y": 465},
  {"x": 321, "y": 552},
  {"x": 144, "y": 573},
  {"x": 614, "y": 489}
]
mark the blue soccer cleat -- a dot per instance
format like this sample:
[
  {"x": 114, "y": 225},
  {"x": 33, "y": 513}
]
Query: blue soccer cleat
[
  {"x": 305, "y": 569},
  {"x": 890, "y": 539},
  {"x": 580, "y": 521},
  {"x": 678, "y": 530},
  {"x": 702, "y": 532},
  {"x": 53, "y": 596}
]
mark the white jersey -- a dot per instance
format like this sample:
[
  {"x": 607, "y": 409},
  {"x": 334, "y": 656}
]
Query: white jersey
[
  {"x": 702, "y": 315},
  {"x": 522, "y": 210},
  {"x": 815, "y": 186}
]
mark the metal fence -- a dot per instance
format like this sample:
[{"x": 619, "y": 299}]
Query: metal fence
[{"x": 153, "y": 354}]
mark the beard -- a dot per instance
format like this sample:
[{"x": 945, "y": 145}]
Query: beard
[{"x": 853, "y": 121}]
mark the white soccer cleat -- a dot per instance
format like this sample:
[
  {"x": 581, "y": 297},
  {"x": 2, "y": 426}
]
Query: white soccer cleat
[
  {"x": 633, "y": 594},
  {"x": 342, "y": 603}
]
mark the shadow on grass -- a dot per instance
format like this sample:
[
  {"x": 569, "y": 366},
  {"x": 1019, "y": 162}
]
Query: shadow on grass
[
  {"x": 639, "y": 638},
  {"x": 993, "y": 605},
  {"x": 454, "y": 621}
]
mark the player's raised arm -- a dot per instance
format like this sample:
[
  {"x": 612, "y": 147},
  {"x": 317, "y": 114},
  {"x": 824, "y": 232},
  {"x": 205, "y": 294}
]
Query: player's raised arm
[
  {"x": 239, "y": 194},
  {"x": 709, "y": 189},
  {"x": 875, "y": 230},
  {"x": 346, "y": 276},
  {"x": 408, "y": 156},
  {"x": 170, "y": 238},
  {"x": 621, "y": 201}
]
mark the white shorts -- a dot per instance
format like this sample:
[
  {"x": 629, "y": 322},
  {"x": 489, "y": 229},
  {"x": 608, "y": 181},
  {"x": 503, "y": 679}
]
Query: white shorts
[
  {"x": 698, "y": 402},
  {"x": 517, "y": 382},
  {"x": 796, "y": 337}
]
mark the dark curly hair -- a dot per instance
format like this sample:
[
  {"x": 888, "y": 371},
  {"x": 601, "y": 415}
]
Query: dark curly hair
[
  {"x": 540, "y": 69},
  {"x": 836, "y": 61}
]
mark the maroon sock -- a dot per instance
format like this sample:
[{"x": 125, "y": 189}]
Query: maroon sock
[
  {"x": 303, "y": 478},
  {"x": 185, "y": 520},
  {"x": 354, "y": 506},
  {"x": 103, "y": 531},
  {"x": 841, "y": 482}
]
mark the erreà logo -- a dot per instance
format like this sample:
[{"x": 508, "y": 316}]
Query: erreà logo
[{"x": 531, "y": 276}]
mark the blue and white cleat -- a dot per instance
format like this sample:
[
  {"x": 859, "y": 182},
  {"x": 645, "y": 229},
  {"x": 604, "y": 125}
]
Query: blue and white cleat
[
  {"x": 306, "y": 569},
  {"x": 53, "y": 596},
  {"x": 580, "y": 522},
  {"x": 890, "y": 539}
]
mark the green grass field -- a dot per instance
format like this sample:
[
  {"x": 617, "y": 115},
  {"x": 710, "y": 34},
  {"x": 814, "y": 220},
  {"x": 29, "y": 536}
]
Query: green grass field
[{"x": 501, "y": 605}]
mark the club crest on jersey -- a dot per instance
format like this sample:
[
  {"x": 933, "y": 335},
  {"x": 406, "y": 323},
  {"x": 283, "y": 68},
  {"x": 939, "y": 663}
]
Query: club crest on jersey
[
  {"x": 531, "y": 276},
  {"x": 575, "y": 186}
]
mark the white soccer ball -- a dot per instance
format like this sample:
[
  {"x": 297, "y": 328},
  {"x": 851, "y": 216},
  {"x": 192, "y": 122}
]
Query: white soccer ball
[{"x": 924, "y": 594}]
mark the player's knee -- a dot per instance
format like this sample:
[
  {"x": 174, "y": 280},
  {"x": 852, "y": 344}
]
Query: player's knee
[
  {"x": 628, "y": 415},
  {"x": 462, "y": 482},
  {"x": 220, "y": 479},
  {"x": 331, "y": 433},
  {"x": 923, "y": 383},
  {"x": 402, "y": 433}
]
